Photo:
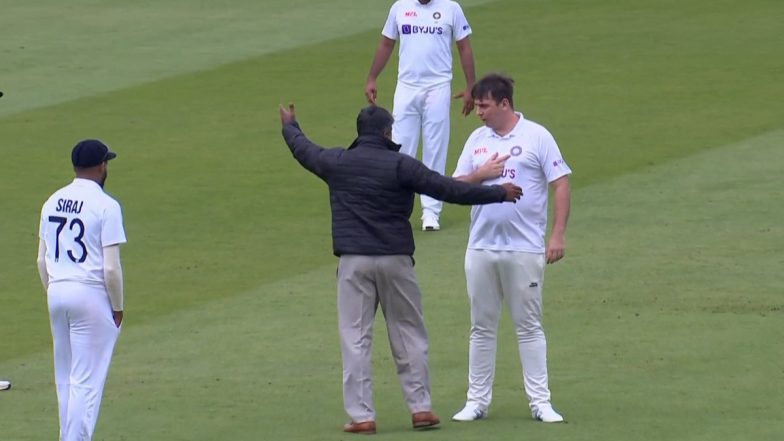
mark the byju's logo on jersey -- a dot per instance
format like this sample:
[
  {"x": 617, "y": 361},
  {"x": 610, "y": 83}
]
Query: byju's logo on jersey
[{"x": 408, "y": 29}]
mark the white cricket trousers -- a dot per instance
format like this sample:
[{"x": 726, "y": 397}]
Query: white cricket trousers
[
  {"x": 518, "y": 278},
  {"x": 427, "y": 111},
  {"x": 84, "y": 335}
]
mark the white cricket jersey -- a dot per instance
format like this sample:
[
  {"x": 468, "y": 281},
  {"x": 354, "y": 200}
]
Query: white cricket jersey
[
  {"x": 77, "y": 222},
  {"x": 535, "y": 162},
  {"x": 426, "y": 33}
]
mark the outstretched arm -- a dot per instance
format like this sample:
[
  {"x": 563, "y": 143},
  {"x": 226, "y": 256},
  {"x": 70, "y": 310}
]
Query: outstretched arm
[
  {"x": 416, "y": 176},
  {"x": 306, "y": 152}
]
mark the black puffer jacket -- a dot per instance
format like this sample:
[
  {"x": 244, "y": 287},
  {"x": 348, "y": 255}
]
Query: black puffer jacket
[{"x": 372, "y": 188}]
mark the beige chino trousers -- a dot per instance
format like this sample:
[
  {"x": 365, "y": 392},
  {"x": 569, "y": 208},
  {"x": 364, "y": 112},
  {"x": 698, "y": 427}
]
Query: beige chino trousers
[{"x": 364, "y": 283}]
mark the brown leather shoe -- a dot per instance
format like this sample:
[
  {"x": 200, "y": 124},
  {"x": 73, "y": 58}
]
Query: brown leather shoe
[
  {"x": 364, "y": 428},
  {"x": 424, "y": 420}
]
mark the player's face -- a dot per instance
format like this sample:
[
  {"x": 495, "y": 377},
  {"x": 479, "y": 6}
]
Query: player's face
[
  {"x": 424, "y": 2},
  {"x": 489, "y": 111}
]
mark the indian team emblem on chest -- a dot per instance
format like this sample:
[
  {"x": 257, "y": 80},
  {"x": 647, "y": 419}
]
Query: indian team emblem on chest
[{"x": 516, "y": 151}]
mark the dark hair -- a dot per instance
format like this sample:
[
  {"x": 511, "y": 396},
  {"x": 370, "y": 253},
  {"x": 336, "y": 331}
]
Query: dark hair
[
  {"x": 374, "y": 120},
  {"x": 495, "y": 86}
]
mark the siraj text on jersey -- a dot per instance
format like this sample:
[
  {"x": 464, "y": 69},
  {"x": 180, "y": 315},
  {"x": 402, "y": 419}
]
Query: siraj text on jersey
[{"x": 69, "y": 206}]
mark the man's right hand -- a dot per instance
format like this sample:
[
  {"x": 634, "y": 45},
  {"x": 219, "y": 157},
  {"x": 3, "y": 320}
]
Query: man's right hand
[
  {"x": 370, "y": 91},
  {"x": 513, "y": 192},
  {"x": 492, "y": 168},
  {"x": 287, "y": 116}
]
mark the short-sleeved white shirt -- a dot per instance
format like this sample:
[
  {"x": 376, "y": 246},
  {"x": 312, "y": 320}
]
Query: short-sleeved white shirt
[
  {"x": 77, "y": 222},
  {"x": 535, "y": 162},
  {"x": 426, "y": 33}
]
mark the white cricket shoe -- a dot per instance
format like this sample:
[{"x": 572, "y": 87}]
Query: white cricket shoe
[
  {"x": 430, "y": 222},
  {"x": 5, "y": 385},
  {"x": 546, "y": 414},
  {"x": 471, "y": 412}
]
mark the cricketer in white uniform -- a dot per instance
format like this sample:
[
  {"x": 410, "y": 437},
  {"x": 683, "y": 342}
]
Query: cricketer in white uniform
[
  {"x": 426, "y": 30},
  {"x": 506, "y": 252},
  {"x": 79, "y": 264}
]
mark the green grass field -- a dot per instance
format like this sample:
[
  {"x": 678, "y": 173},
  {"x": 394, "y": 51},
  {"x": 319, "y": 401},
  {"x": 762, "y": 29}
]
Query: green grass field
[{"x": 665, "y": 321}]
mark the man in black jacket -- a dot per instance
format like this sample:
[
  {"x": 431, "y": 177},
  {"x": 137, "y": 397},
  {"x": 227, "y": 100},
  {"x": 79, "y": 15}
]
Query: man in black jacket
[{"x": 372, "y": 188}]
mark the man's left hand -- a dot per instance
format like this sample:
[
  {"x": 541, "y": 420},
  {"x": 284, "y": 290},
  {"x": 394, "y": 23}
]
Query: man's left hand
[
  {"x": 468, "y": 102},
  {"x": 555, "y": 249},
  {"x": 287, "y": 116}
]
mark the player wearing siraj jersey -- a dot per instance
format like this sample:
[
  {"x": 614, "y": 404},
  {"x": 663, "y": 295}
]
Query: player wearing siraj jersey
[{"x": 80, "y": 234}]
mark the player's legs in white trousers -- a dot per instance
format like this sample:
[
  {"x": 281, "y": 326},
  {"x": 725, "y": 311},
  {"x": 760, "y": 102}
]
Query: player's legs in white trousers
[
  {"x": 364, "y": 282},
  {"x": 423, "y": 111},
  {"x": 518, "y": 277},
  {"x": 84, "y": 335}
]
